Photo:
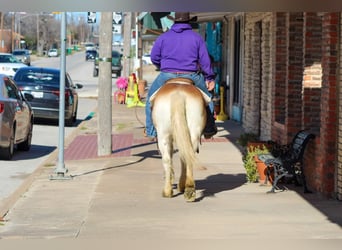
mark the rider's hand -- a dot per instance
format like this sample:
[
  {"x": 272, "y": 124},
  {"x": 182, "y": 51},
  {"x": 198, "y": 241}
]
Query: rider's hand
[{"x": 210, "y": 85}]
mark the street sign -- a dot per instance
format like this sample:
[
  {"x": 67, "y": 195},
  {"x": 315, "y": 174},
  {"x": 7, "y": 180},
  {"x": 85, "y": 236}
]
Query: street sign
[
  {"x": 91, "y": 17},
  {"x": 117, "y": 17},
  {"x": 117, "y": 28}
]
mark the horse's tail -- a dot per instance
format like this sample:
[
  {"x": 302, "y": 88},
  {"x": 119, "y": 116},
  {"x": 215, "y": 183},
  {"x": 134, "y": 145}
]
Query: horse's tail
[{"x": 181, "y": 130}]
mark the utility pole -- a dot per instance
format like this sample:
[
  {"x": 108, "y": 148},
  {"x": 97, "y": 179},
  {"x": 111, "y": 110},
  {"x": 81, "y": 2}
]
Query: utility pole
[
  {"x": 127, "y": 30},
  {"x": 104, "y": 138},
  {"x": 13, "y": 32},
  {"x": 1, "y": 27}
]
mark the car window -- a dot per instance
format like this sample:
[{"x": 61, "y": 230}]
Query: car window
[
  {"x": 12, "y": 90},
  {"x": 116, "y": 54},
  {"x": 68, "y": 82},
  {"x": 50, "y": 78},
  {"x": 8, "y": 59},
  {"x": 19, "y": 53}
]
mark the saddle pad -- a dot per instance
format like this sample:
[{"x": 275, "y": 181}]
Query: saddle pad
[{"x": 206, "y": 98}]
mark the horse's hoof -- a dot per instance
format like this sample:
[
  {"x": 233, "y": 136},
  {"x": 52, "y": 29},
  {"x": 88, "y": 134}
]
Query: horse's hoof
[
  {"x": 168, "y": 194},
  {"x": 190, "y": 194}
]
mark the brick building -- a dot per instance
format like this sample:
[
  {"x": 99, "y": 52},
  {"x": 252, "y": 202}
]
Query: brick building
[{"x": 281, "y": 73}]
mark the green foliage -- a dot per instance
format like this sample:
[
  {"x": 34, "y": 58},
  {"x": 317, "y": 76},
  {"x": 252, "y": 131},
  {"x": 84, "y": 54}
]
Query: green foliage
[{"x": 250, "y": 164}]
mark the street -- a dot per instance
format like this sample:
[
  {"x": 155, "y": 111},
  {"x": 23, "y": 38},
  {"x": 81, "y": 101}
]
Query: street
[{"x": 46, "y": 134}]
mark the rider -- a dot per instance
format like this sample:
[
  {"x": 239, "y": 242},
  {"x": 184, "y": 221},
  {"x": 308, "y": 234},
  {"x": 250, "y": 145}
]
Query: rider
[{"x": 182, "y": 52}]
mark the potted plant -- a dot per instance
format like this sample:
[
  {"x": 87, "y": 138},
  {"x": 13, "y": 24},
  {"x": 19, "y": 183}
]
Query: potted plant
[{"x": 255, "y": 169}]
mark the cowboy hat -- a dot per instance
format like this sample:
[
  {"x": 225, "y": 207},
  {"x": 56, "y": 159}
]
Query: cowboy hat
[{"x": 184, "y": 17}]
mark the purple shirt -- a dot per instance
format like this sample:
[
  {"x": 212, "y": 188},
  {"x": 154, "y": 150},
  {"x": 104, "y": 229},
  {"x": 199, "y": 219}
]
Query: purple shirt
[{"x": 181, "y": 49}]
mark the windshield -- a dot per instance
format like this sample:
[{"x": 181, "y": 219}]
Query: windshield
[
  {"x": 18, "y": 53},
  {"x": 37, "y": 77},
  {"x": 8, "y": 59}
]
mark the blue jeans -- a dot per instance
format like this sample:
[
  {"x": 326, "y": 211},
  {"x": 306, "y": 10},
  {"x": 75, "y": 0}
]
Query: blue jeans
[{"x": 197, "y": 78}]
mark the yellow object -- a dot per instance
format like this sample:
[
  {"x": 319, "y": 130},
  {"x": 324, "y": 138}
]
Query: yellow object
[
  {"x": 132, "y": 95},
  {"x": 222, "y": 116}
]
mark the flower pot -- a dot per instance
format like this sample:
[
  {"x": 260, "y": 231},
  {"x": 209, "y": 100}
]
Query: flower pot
[
  {"x": 119, "y": 97},
  {"x": 262, "y": 171}
]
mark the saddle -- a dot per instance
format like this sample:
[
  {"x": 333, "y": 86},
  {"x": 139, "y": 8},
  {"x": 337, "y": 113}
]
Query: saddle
[{"x": 186, "y": 81}]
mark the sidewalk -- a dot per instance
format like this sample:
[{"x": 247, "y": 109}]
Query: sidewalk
[{"x": 119, "y": 197}]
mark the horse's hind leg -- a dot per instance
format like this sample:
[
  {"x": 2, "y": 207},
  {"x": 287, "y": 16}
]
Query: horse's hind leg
[
  {"x": 182, "y": 178},
  {"x": 190, "y": 190},
  {"x": 169, "y": 177},
  {"x": 166, "y": 152}
]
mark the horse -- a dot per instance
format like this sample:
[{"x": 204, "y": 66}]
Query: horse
[{"x": 179, "y": 116}]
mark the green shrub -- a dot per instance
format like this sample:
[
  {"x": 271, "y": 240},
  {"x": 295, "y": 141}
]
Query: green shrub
[{"x": 250, "y": 164}]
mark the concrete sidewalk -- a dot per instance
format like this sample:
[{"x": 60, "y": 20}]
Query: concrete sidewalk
[{"x": 119, "y": 197}]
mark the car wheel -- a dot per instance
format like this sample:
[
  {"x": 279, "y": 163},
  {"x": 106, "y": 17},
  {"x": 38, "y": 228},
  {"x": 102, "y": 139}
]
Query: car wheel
[
  {"x": 6, "y": 153},
  {"x": 26, "y": 145},
  {"x": 95, "y": 72}
]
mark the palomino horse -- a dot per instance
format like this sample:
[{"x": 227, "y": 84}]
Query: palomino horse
[{"x": 179, "y": 116}]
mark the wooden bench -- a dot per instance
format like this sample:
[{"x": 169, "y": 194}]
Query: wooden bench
[{"x": 286, "y": 161}]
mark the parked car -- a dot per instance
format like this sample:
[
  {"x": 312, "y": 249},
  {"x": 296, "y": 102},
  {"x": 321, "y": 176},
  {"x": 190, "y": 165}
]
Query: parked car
[
  {"x": 52, "y": 53},
  {"x": 16, "y": 119},
  {"x": 89, "y": 46},
  {"x": 9, "y": 64},
  {"x": 116, "y": 64},
  {"x": 90, "y": 54},
  {"x": 146, "y": 59},
  {"x": 41, "y": 88},
  {"x": 23, "y": 55}
]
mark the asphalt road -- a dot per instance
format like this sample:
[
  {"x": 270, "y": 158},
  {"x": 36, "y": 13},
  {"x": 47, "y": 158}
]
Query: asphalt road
[{"x": 46, "y": 135}]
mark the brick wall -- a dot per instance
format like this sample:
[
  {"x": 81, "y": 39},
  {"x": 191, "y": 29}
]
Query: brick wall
[
  {"x": 293, "y": 121},
  {"x": 327, "y": 147},
  {"x": 281, "y": 23},
  {"x": 339, "y": 149},
  {"x": 312, "y": 84},
  {"x": 301, "y": 84}
]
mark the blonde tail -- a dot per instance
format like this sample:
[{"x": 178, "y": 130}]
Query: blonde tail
[{"x": 181, "y": 131}]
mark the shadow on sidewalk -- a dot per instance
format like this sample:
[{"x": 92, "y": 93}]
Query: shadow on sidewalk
[
  {"x": 218, "y": 183},
  {"x": 143, "y": 155}
]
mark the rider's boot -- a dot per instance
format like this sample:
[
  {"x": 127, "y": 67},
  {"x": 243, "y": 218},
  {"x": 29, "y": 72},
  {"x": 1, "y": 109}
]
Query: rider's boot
[{"x": 210, "y": 128}]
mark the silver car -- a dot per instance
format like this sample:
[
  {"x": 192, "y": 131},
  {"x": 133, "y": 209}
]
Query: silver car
[
  {"x": 23, "y": 55},
  {"x": 16, "y": 119},
  {"x": 9, "y": 64}
]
